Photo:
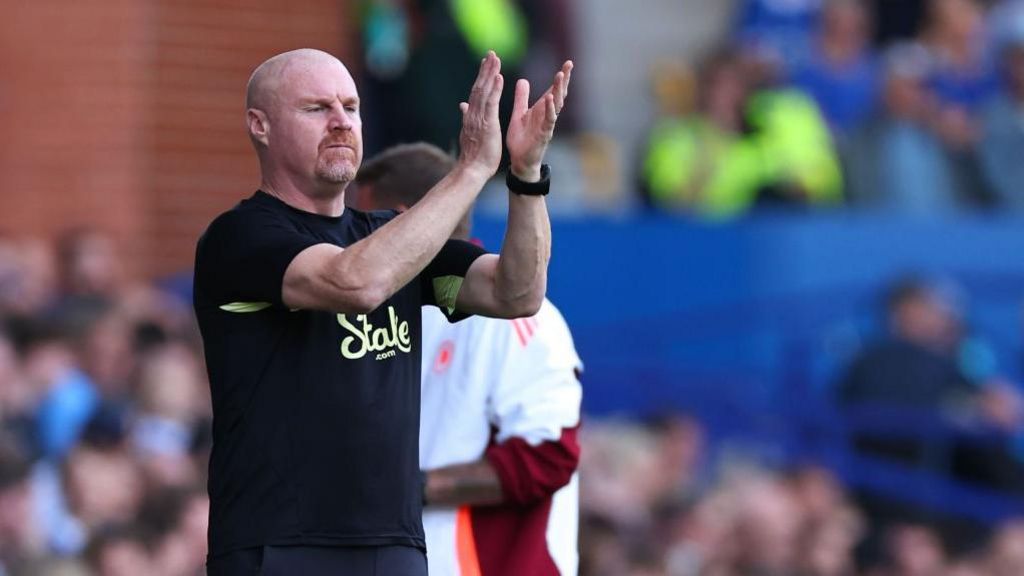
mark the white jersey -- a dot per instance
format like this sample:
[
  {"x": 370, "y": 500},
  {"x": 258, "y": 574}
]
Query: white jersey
[{"x": 490, "y": 385}]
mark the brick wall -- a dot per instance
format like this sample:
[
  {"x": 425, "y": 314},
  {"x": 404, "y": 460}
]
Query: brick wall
[{"x": 127, "y": 115}]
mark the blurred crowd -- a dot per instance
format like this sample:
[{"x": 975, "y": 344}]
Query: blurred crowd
[
  {"x": 105, "y": 439},
  {"x": 913, "y": 107},
  {"x": 657, "y": 501},
  {"x": 104, "y": 417},
  {"x": 924, "y": 401},
  {"x": 902, "y": 106}
]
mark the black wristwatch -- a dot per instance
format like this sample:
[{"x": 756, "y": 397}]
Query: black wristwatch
[{"x": 538, "y": 188}]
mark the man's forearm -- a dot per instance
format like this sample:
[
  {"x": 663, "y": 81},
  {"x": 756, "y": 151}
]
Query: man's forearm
[
  {"x": 523, "y": 264},
  {"x": 473, "y": 483}
]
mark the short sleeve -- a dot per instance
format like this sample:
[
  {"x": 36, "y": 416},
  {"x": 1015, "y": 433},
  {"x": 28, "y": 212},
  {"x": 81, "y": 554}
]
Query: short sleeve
[
  {"x": 242, "y": 257},
  {"x": 441, "y": 280}
]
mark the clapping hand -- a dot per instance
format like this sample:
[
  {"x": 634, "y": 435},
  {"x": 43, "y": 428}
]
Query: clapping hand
[
  {"x": 480, "y": 139},
  {"x": 530, "y": 129}
]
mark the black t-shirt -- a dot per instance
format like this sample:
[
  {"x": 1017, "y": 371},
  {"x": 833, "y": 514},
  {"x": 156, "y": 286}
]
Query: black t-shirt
[{"x": 316, "y": 414}]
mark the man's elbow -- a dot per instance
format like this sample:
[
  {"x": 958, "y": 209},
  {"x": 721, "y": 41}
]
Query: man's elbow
[
  {"x": 361, "y": 298},
  {"x": 364, "y": 301},
  {"x": 531, "y": 305},
  {"x": 518, "y": 308},
  {"x": 367, "y": 297},
  {"x": 523, "y": 305}
]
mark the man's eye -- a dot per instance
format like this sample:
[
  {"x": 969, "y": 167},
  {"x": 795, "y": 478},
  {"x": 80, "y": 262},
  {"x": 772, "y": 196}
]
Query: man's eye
[{"x": 317, "y": 108}]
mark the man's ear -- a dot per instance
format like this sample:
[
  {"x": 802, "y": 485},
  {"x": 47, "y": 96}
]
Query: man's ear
[{"x": 259, "y": 126}]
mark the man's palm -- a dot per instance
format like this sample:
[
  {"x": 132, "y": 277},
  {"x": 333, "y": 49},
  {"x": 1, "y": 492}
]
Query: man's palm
[{"x": 530, "y": 129}]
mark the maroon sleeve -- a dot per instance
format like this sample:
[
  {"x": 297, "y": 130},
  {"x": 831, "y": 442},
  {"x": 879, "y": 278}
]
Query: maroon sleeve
[{"x": 528, "y": 473}]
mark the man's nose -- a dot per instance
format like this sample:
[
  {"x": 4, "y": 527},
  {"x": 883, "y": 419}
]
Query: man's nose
[{"x": 339, "y": 120}]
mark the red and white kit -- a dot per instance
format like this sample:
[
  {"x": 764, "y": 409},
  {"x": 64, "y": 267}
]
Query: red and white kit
[{"x": 507, "y": 391}]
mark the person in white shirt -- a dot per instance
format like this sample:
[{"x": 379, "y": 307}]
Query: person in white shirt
[{"x": 499, "y": 417}]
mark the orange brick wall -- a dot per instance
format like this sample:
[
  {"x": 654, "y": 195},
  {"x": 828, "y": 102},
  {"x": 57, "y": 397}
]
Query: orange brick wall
[{"x": 127, "y": 115}]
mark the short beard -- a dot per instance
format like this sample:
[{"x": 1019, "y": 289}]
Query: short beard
[{"x": 335, "y": 172}]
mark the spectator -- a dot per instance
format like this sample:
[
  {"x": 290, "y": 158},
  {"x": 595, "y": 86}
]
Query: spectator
[
  {"x": 916, "y": 372},
  {"x": 842, "y": 73},
  {"x": 827, "y": 545},
  {"x": 831, "y": 526},
  {"x": 680, "y": 450},
  {"x": 699, "y": 161},
  {"x": 10, "y": 276},
  {"x": 121, "y": 550},
  {"x": 28, "y": 281},
  {"x": 89, "y": 264},
  {"x": 798, "y": 161},
  {"x": 171, "y": 395},
  {"x": 781, "y": 31},
  {"x": 1006, "y": 550},
  {"x": 177, "y": 519},
  {"x": 17, "y": 398},
  {"x": 1002, "y": 144},
  {"x": 20, "y": 537},
  {"x": 896, "y": 162},
  {"x": 103, "y": 483},
  {"x": 65, "y": 397},
  {"x": 750, "y": 142},
  {"x": 767, "y": 528},
  {"x": 914, "y": 550},
  {"x": 1002, "y": 22},
  {"x": 961, "y": 75},
  {"x": 603, "y": 547},
  {"x": 918, "y": 365}
]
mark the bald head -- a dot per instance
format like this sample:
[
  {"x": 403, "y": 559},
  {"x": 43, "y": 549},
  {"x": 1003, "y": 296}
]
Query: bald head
[{"x": 268, "y": 77}]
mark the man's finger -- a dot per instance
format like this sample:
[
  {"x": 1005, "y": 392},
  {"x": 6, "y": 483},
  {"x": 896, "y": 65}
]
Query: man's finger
[
  {"x": 487, "y": 93},
  {"x": 522, "y": 98},
  {"x": 567, "y": 70},
  {"x": 489, "y": 66},
  {"x": 494, "y": 97},
  {"x": 550, "y": 114},
  {"x": 480, "y": 75},
  {"x": 559, "y": 90}
]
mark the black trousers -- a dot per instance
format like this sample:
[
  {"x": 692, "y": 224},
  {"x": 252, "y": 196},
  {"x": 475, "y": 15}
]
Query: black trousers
[{"x": 320, "y": 561}]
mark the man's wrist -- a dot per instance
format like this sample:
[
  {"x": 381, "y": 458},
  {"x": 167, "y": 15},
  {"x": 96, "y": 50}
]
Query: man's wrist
[
  {"x": 473, "y": 171},
  {"x": 529, "y": 173},
  {"x": 539, "y": 187}
]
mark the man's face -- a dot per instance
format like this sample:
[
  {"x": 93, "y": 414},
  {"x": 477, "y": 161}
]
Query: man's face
[{"x": 315, "y": 128}]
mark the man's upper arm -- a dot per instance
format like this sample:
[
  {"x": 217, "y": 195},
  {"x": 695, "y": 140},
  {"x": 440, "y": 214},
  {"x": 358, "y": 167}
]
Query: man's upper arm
[
  {"x": 476, "y": 295},
  {"x": 446, "y": 279},
  {"x": 480, "y": 293}
]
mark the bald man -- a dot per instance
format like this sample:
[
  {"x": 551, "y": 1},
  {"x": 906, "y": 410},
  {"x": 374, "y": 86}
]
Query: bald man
[{"x": 310, "y": 317}]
